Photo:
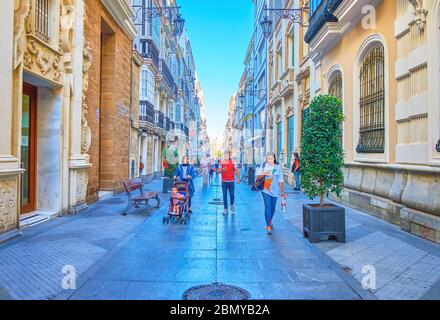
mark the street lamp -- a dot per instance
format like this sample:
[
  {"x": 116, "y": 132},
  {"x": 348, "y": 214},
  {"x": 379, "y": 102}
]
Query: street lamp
[
  {"x": 266, "y": 25},
  {"x": 179, "y": 23}
]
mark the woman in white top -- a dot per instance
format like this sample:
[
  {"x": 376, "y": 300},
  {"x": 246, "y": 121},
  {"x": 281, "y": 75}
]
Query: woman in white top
[{"x": 272, "y": 174}]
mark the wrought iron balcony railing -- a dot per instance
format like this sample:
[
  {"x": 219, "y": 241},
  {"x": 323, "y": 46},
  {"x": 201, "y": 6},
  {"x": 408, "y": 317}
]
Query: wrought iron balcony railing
[
  {"x": 168, "y": 77},
  {"x": 146, "y": 112},
  {"x": 160, "y": 120},
  {"x": 149, "y": 51},
  {"x": 168, "y": 125}
]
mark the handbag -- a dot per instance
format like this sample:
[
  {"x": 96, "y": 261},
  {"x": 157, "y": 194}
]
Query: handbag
[{"x": 259, "y": 183}]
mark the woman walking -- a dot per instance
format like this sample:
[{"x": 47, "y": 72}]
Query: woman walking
[
  {"x": 229, "y": 171},
  {"x": 271, "y": 175},
  {"x": 185, "y": 172}
]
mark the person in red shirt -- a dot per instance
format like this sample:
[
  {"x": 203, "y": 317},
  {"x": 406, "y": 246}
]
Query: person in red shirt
[{"x": 228, "y": 171}]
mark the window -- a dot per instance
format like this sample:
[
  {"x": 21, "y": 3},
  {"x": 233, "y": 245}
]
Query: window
[
  {"x": 314, "y": 4},
  {"x": 290, "y": 139},
  {"x": 372, "y": 103},
  {"x": 335, "y": 89},
  {"x": 290, "y": 52},
  {"x": 156, "y": 31},
  {"x": 178, "y": 113},
  {"x": 147, "y": 86},
  {"x": 335, "y": 85},
  {"x": 279, "y": 64},
  {"x": 42, "y": 20}
]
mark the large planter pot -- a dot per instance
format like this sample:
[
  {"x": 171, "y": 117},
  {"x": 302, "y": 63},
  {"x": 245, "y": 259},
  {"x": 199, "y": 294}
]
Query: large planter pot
[
  {"x": 326, "y": 221},
  {"x": 167, "y": 183}
]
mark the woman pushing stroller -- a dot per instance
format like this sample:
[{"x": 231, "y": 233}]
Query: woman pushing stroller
[{"x": 185, "y": 173}]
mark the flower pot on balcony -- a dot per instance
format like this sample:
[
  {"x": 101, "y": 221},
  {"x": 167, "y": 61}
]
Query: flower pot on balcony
[{"x": 326, "y": 221}]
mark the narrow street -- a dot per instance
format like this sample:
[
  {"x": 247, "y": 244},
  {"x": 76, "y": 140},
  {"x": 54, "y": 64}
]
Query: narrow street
[{"x": 137, "y": 257}]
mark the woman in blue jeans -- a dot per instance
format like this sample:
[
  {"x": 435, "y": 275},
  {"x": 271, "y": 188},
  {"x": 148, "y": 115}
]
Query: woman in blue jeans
[{"x": 272, "y": 174}]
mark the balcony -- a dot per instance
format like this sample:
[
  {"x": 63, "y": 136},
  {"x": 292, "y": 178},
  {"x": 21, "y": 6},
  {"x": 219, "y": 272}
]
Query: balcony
[
  {"x": 146, "y": 113},
  {"x": 168, "y": 77},
  {"x": 160, "y": 120},
  {"x": 168, "y": 124},
  {"x": 287, "y": 82},
  {"x": 149, "y": 51},
  {"x": 322, "y": 14}
]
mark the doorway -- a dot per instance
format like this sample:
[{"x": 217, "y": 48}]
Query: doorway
[{"x": 28, "y": 147}]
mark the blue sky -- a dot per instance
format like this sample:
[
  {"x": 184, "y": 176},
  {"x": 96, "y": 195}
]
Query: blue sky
[{"x": 219, "y": 32}]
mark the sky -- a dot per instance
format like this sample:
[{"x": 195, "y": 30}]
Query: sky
[{"x": 219, "y": 32}]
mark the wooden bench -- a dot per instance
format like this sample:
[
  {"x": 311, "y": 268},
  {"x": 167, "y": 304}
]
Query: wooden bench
[{"x": 143, "y": 197}]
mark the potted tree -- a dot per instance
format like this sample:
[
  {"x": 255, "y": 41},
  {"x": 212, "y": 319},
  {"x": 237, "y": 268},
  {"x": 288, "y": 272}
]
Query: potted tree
[
  {"x": 169, "y": 167},
  {"x": 322, "y": 161}
]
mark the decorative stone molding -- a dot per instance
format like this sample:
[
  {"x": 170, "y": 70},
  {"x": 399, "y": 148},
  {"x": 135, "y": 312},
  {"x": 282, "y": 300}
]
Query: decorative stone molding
[
  {"x": 86, "y": 133},
  {"x": 397, "y": 194},
  {"x": 81, "y": 186},
  {"x": 42, "y": 60},
  {"x": 66, "y": 33},
  {"x": 8, "y": 203},
  {"x": 420, "y": 13},
  {"x": 279, "y": 118},
  {"x": 289, "y": 111},
  {"x": 21, "y": 11}
]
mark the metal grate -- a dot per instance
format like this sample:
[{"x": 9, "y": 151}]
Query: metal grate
[
  {"x": 372, "y": 103},
  {"x": 216, "y": 291},
  {"x": 42, "y": 20}
]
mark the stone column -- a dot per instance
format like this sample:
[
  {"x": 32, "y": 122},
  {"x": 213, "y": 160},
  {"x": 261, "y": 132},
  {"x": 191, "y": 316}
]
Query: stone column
[
  {"x": 12, "y": 26},
  {"x": 80, "y": 136}
]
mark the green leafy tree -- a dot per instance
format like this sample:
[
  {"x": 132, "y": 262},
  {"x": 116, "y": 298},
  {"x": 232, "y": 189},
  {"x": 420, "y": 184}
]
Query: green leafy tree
[
  {"x": 322, "y": 156},
  {"x": 169, "y": 172}
]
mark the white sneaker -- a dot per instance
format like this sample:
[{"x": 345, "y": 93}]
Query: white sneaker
[
  {"x": 232, "y": 209},
  {"x": 225, "y": 212}
]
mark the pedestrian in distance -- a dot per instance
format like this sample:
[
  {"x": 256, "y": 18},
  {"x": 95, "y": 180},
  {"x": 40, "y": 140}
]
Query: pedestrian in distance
[
  {"x": 185, "y": 173},
  {"x": 270, "y": 175},
  {"x": 228, "y": 171},
  {"x": 211, "y": 172},
  {"x": 141, "y": 166},
  {"x": 296, "y": 170}
]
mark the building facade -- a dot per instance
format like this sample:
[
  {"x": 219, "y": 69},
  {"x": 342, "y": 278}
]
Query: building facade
[
  {"x": 387, "y": 78},
  {"x": 108, "y": 55},
  {"x": 50, "y": 81},
  {"x": 375, "y": 56},
  {"x": 170, "y": 108}
]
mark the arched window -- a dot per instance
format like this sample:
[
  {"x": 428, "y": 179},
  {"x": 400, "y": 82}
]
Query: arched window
[
  {"x": 335, "y": 89},
  {"x": 335, "y": 85},
  {"x": 372, "y": 102}
]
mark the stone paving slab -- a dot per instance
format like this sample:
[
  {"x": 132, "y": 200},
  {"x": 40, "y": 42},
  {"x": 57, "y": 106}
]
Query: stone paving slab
[
  {"x": 137, "y": 257},
  {"x": 31, "y": 265},
  {"x": 406, "y": 267}
]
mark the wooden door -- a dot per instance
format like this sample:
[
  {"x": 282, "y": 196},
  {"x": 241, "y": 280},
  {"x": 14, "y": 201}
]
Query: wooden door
[{"x": 28, "y": 147}]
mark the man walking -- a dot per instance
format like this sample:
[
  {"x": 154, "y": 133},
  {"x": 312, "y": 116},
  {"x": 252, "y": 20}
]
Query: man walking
[{"x": 228, "y": 171}]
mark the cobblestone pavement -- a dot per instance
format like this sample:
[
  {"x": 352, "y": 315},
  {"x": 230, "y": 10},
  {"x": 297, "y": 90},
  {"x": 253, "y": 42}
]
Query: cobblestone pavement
[{"x": 137, "y": 257}]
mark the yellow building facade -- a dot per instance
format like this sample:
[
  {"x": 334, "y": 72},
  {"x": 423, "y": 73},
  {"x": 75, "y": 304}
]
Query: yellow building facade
[{"x": 381, "y": 59}]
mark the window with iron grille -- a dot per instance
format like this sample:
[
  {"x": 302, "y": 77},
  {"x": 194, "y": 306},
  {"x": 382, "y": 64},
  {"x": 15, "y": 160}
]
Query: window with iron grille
[
  {"x": 372, "y": 103},
  {"x": 42, "y": 20}
]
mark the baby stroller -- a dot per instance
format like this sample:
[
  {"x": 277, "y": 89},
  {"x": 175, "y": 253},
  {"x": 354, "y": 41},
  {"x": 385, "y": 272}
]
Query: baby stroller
[{"x": 178, "y": 204}]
